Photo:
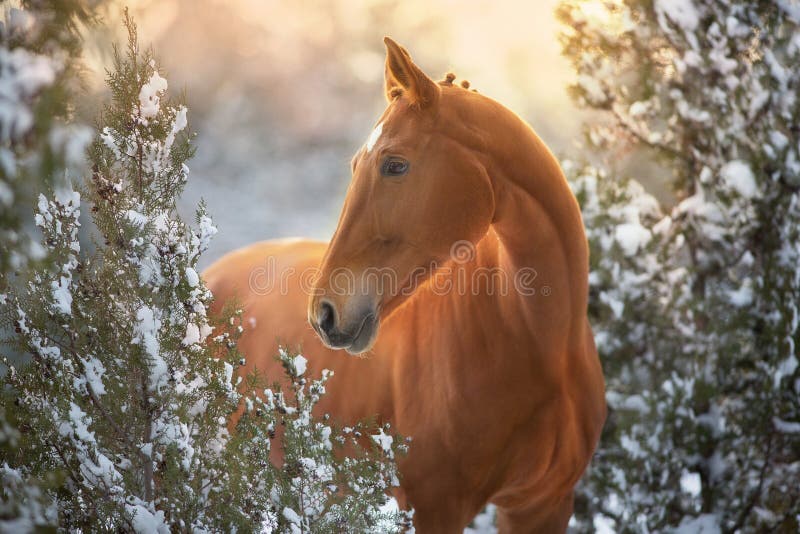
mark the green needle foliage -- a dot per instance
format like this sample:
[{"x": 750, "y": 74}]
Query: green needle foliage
[
  {"x": 120, "y": 417},
  {"x": 695, "y": 305}
]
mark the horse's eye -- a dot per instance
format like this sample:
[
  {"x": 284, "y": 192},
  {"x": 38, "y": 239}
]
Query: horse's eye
[{"x": 394, "y": 166}]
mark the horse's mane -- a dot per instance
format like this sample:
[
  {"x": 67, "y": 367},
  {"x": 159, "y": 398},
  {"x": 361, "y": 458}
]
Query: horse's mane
[{"x": 449, "y": 78}]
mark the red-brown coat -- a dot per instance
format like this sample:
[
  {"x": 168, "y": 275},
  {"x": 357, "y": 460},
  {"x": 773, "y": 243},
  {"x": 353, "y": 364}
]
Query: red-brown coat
[{"x": 501, "y": 390}]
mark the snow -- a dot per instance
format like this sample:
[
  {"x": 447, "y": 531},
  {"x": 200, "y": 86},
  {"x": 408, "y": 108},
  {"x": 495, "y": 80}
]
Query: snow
[
  {"x": 107, "y": 136},
  {"x": 205, "y": 331},
  {"x": 93, "y": 372},
  {"x": 791, "y": 8},
  {"x": 299, "y": 363},
  {"x": 704, "y": 524},
  {"x": 137, "y": 219},
  {"x": 727, "y": 65},
  {"x": 484, "y": 522},
  {"x": 627, "y": 402},
  {"x": 149, "y": 99},
  {"x": 617, "y": 306},
  {"x": 146, "y": 522},
  {"x": 631, "y": 237},
  {"x": 228, "y": 372},
  {"x": 692, "y": 59},
  {"x": 22, "y": 75},
  {"x": 384, "y": 441},
  {"x": 787, "y": 427},
  {"x": 603, "y": 525},
  {"x": 178, "y": 124},
  {"x": 145, "y": 334},
  {"x": 77, "y": 425},
  {"x": 191, "y": 277},
  {"x": 192, "y": 335},
  {"x": 786, "y": 368},
  {"x": 632, "y": 446},
  {"x": 758, "y": 99},
  {"x": 682, "y": 12},
  {"x": 594, "y": 91},
  {"x": 6, "y": 193},
  {"x": 691, "y": 113},
  {"x": 374, "y": 136},
  {"x": 638, "y": 109},
  {"x": 34, "y": 513},
  {"x": 778, "y": 140},
  {"x": 19, "y": 20},
  {"x": 62, "y": 297},
  {"x": 708, "y": 214},
  {"x": 146, "y": 331},
  {"x": 61, "y": 216},
  {"x": 291, "y": 516},
  {"x": 71, "y": 141},
  {"x": 690, "y": 483},
  {"x": 742, "y": 296},
  {"x": 663, "y": 225},
  {"x": 738, "y": 176},
  {"x": 206, "y": 230},
  {"x": 736, "y": 28}
]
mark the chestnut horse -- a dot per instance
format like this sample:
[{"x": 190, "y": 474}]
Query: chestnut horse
[{"x": 467, "y": 248}]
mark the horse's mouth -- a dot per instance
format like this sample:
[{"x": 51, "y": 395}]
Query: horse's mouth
[
  {"x": 365, "y": 335},
  {"x": 357, "y": 343}
]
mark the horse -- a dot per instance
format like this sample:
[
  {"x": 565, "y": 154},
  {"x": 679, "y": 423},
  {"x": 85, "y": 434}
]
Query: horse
[{"x": 459, "y": 273}]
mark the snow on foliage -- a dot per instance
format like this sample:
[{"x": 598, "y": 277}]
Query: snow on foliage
[
  {"x": 127, "y": 399},
  {"x": 150, "y": 97},
  {"x": 24, "y": 75},
  {"x": 695, "y": 306},
  {"x": 110, "y": 388},
  {"x": 319, "y": 489},
  {"x": 37, "y": 56}
]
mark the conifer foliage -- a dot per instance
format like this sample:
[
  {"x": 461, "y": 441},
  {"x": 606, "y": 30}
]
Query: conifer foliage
[
  {"x": 695, "y": 305},
  {"x": 124, "y": 402},
  {"x": 123, "y": 396},
  {"x": 39, "y": 142},
  {"x": 331, "y": 480},
  {"x": 39, "y": 49}
]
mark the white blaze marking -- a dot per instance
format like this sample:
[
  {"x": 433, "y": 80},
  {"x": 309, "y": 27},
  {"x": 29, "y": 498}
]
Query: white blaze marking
[{"x": 373, "y": 137}]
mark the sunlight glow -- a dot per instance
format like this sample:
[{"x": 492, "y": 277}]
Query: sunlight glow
[{"x": 507, "y": 50}]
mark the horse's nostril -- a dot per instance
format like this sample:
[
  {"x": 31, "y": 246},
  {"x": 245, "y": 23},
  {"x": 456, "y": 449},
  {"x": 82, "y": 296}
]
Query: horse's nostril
[{"x": 326, "y": 318}]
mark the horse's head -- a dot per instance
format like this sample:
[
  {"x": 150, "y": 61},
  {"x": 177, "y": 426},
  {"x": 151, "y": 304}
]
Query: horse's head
[{"x": 418, "y": 186}]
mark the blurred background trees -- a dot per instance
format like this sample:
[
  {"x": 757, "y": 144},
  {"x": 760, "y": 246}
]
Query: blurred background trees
[
  {"x": 40, "y": 49},
  {"x": 695, "y": 305}
]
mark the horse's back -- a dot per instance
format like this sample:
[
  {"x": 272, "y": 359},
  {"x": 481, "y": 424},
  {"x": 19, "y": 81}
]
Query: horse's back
[
  {"x": 263, "y": 281},
  {"x": 270, "y": 282},
  {"x": 255, "y": 273}
]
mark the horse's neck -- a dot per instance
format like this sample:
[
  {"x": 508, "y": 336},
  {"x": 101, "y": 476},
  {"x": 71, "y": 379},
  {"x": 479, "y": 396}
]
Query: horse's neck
[
  {"x": 538, "y": 221},
  {"x": 537, "y": 242}
]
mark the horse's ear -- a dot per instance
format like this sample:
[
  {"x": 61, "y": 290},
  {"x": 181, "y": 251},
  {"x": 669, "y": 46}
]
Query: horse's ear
[{"x": 403, "y": 75}]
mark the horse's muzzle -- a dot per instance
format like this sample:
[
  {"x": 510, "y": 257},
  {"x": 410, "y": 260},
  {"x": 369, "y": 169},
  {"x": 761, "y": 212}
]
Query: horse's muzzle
[{"x": 355, "y": 335}]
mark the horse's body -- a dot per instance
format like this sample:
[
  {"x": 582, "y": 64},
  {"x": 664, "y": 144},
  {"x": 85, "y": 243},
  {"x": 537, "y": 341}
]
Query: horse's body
[{"x": 501, "y": 391}]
